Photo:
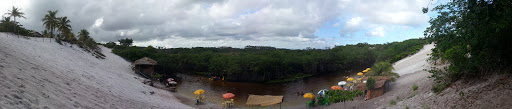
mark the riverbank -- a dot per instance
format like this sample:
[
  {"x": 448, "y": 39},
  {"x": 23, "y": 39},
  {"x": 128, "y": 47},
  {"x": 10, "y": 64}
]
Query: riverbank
[{"x": 36, "y": 73}]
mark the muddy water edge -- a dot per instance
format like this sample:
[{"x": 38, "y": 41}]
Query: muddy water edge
[{"x": 291, "y": 91}]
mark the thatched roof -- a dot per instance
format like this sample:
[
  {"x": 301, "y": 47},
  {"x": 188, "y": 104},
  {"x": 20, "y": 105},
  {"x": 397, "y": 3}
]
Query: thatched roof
[
  {"x": 36, "y": 34},
  {"x": 264, "y": 100},
  {"x": 145, "y": 61}
]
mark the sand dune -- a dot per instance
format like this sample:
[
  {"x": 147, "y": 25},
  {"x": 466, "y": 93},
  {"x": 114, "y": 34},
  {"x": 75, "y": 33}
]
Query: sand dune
[{"x": 37, "y": 74}]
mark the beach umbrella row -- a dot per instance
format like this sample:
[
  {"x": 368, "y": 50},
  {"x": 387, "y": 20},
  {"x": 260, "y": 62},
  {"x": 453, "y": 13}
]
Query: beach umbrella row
[{"x": 359, "y": 74}]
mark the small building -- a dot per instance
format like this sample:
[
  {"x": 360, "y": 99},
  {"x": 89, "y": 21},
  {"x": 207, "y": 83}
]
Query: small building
[
  {"x": 144, "y": 66},
  {"x": 381, "y": 86},
  {"x": 36, "y": 34}
]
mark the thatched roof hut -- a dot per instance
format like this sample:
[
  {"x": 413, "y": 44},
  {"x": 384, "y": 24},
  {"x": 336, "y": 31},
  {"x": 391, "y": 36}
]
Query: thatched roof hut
[
  {"x": 145, "y": 61},
  {"x": 145, "y": 66}
]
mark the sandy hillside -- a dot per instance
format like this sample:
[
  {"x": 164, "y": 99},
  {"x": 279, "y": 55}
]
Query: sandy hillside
[
  {"x": 37, "y": 74},
  {"x": 492, "y": 91},
  {"x": 414, "y": 63}
]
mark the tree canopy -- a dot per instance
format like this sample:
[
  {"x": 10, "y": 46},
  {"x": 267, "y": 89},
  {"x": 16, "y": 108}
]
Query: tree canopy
[
  {"x": 268, "y": 64},
  {"x": 473, "y": 36}
]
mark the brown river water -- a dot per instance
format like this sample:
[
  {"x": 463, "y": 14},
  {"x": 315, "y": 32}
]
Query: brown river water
[{"x": 291, "y": 91}]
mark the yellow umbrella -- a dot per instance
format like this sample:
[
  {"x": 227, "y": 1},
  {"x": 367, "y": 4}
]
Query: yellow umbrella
[
  {"x": 199, "y": 92},
  {"x": 368, "y": 69},
  {"x": 359, "y": 74},
  {"x": 309, "y": 95},
  {"x": 365, "y": 71},
  {"x": 350, "y": 79}
]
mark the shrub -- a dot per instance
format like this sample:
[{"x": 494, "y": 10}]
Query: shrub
[
  {"x": 414, "y": 87},
  {"x": 370, "y": 83},
  {"x": 393, "y": 102}
]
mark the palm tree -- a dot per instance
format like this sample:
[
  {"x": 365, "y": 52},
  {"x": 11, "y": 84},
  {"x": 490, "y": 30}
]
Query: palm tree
[
  {"x": 63, "y": 26},
  {"x": 15, "y": 12},
  {"x": 50, "y": 21},
  {"x": 83, "y": 35}
]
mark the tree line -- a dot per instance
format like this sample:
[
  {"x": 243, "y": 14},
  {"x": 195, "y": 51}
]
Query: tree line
[{"x": 267, "y": 64}]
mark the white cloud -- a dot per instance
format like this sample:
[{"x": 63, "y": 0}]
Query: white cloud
[
  {"x": 283, "y": 23},
  {"x": 378, "y": 31},
  {"x": 388, "y": 13}
]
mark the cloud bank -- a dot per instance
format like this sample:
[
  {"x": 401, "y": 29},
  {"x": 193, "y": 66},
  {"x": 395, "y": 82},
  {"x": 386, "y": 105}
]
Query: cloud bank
[{"x": 190, "y": 23}]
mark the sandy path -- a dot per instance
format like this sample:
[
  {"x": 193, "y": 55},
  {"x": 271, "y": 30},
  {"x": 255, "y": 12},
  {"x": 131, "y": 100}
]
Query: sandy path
[
  {"x": 37, "y": 74},
  {"x": 414, "y": 63}
]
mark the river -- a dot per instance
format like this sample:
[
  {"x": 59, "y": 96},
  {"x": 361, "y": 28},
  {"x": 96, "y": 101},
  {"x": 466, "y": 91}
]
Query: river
[{"x": 214, "y": 89}]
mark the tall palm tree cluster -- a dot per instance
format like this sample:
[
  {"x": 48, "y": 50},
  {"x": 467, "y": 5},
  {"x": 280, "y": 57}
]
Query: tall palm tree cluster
[
  {"x": 52, "y": 23},
  {"x": 14, "y": 12},
  {"x": 61, "y": 24}
]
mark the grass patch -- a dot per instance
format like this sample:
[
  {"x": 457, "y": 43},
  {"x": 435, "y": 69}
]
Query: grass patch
[
  {"x": 414, "y": 87},
  {"x": 392, "y": 103}
]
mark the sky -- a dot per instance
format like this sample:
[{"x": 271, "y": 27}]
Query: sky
[{"x": 294, "y": 24}]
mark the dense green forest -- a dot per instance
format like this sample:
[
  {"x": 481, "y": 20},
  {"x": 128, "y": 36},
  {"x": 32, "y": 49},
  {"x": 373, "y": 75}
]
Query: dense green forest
[
  {"x": 267, "y": 64},
  {"x": 473, "y": 36}
]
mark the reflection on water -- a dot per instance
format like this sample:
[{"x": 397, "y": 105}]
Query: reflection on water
[{"x": 291, "y": 91}]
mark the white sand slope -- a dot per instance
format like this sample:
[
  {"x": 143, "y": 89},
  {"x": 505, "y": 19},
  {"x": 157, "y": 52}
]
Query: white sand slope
[
  {"x": 414, "y": 63},
  {"x": 37, "y": 74}
]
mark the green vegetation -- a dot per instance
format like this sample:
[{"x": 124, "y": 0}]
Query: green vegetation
[
  {"x": 414, "y": 87},
  {"x": 262, "y": 63},
  {"x": 6, "y": 25},
  {"x": 370, "y": 83},
  {"x": 473, "y": 37},
  {"x": 125, "y": 42},
  {"x": 15, "y": 12},
  {"x": 336, "y": 96},
  {"x": 52, "y": 22},
  {"x": 392, "y": 102},
  {"x": 382, "y": 69}
]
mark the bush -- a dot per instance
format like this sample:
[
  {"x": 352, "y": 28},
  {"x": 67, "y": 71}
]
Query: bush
[
  {"x": 383, "y": 69},
  {"x": 392, "y": 103},
  {"x": 370, "y": 83},
  {"x": 473, "y": 36},
  {"x": 110, "y": 44},
  {"x": 336, "y": 96},
  {"x": 414, "y": 87}
]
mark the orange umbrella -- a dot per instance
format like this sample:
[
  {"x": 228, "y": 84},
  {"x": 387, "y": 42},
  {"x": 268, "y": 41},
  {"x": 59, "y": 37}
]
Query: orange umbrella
[
  {"x": 335, "y": 87},
  {"x": 228, "y": 95}
]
